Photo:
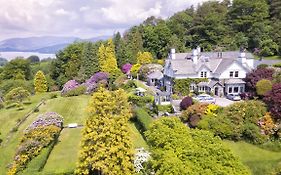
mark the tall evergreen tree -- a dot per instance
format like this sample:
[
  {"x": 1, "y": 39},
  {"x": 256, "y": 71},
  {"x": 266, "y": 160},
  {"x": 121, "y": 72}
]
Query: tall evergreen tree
[
  {"x": 40, "y": 82},
  {"x": 90, "y": 61},
  {"x": 106, "y": 147},
  {"x": 107, "y": 58},
  {"x": 134, "y": 42}
]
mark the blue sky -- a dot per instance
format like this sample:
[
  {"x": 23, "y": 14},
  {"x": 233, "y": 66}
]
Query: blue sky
[{"x": 81, "y": 18}]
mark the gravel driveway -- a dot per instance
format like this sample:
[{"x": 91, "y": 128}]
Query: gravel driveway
[{"x": 223, "y": 101}]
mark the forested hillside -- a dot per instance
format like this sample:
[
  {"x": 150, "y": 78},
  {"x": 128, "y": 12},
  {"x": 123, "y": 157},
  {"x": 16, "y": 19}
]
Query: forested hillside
[{"x": 255, "y": 25}]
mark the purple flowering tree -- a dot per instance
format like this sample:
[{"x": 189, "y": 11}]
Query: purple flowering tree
[
  {"x": 70, "y": 85},
  {"x": 126, "y": 68},
  {"x": 93, "y": 81},
  {"x": 49, "y": 118}
]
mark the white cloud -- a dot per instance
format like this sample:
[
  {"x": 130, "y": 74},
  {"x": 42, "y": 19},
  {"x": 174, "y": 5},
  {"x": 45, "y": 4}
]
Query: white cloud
[{"x": 83, "y": 18}]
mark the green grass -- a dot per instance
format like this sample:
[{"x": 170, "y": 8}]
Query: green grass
[
  {"x": 260, "y": 161},
  {"x": 269, "y": 57},
  {"x": 64, "y": 156},
  {"x": 140, "y": 84},
  {"x": 65, "y": 151},
  {"x": 137, "y": 138}
]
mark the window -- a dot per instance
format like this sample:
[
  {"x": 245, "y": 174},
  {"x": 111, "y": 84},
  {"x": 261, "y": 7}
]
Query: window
[
  {"x": 203, "y": 74},
  {"x": 201, "y": 88},
  {"x": 230, "y": 90},
  {"x": 236, "y": 89},
  {"x": 231, "y": 74},
  {"x": 236, "y": 74},
  {"x": 241, "y": 89}
]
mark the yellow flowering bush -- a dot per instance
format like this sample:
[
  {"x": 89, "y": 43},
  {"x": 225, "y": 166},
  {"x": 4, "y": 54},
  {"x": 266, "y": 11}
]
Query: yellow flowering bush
[{"x": 40, "y": 134}]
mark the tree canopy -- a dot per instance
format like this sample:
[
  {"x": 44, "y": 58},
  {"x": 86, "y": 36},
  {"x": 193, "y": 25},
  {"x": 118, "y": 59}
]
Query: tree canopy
[
  {"x": 106, "y": 147},
  {"x": 176, "y": 149}
]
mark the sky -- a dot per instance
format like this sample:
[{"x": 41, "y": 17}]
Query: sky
[{"x": 80, "y": 18}]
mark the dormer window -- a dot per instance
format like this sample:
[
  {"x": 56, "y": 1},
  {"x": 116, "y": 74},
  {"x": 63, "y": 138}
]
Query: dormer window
[
  {"x": 203, "y": 74},
  {"x": 234, "y": 74}
]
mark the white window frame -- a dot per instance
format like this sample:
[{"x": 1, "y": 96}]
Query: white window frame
[
  {"x": 231, "y": 74},
  {"x": 235, "y": 74}
]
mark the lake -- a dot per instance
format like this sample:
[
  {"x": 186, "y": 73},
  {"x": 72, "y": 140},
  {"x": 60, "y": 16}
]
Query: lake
[{"x": 11, "y": 55}]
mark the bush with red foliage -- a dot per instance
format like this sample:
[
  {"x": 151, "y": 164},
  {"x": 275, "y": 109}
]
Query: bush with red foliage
[
  {"x": 185, "y": 103},
  {"x": 256, "y": 75},
  {"x": 273, "y": 101}
]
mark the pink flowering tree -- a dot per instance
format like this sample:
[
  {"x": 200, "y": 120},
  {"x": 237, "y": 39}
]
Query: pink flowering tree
[
  {"x": 70, "y": 85},
  {"x": 126, "y": 68}
]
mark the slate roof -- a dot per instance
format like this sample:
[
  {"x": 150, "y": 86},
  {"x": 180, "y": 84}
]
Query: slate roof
[
  {"x": 183, "y": 64},
  {"x": 234, "y": 81},
  {"x": 228, "y": 55},
  {"x": 156, "y": 75}
]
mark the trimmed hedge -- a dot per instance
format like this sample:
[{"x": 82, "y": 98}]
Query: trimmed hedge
[
  {"x": 76, "y": 92},
  {"x": 143, "y": 119},
  {"x": 140, "y": 101},
  {"x": 165, "y": 108}
]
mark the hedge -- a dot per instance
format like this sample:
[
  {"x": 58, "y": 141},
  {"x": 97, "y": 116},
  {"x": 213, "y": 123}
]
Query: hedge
[{"x": 143, "y": 119}]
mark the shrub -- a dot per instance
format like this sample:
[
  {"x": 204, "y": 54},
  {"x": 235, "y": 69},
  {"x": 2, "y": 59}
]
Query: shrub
[
  {"x": 263, "y": 86},
  {"x": 12, "y": 105},
  {"x": 126, "y": 68},
  {"x": 17, "y": 95},
  {"x": 140, "y": 101},
  {"x": 143, "y": 119},
  {"x": 99, "y": 78},
  {"x": 40, "y": 134},
  {"x": 261, "y": 66},
  {"x": 185, "y": 103},
  {"x": 68, "y": 86},
  {"x": 129, "y": 85},
  {"x": 76, "y": 92},
  {"x": 253, "y": 77},
  {"x": 273, "y": 101},
  {"x": 277, "y": 65},
  {"x": 238, "y": 121},
  {"x": 8, "y": 85},
  {"x": 165, "y": 108},
  {"x": 194, "y": 114},
  {"x": 176, "y": 149}
]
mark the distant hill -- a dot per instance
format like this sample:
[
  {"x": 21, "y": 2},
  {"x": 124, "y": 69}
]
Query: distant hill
[{"x": 44, "y": 44}]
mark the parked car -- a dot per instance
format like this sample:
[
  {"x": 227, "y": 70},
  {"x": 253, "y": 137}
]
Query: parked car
[
  {"x": 205, "y": 98},
  {"x": 234, "y": 97}
]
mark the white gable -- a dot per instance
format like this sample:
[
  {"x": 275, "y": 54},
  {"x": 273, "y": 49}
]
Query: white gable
[{"x": 233, "y": 67}]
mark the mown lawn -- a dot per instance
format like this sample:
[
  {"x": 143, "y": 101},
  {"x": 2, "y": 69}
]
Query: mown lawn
[
  {"x": 260, "y": 161},
  {"x": 65, "y": 153},
  {"x": 8, "y": 119}
]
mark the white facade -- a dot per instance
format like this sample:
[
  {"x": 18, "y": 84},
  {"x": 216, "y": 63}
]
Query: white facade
[
  {"x": 233, "y": 71},
  {"x": 225, "y": 75}
]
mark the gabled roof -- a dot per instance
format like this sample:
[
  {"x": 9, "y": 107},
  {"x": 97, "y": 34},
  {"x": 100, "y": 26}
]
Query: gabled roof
[
  {"x": 216, "y": 65},
  {"x": 155, "y": 75},
  {"x": 228, "y": 55},
  {"x": 183, "y": 66}
]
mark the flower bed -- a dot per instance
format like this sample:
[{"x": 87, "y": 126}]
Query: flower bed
[{"x": 40, "y": 134}]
